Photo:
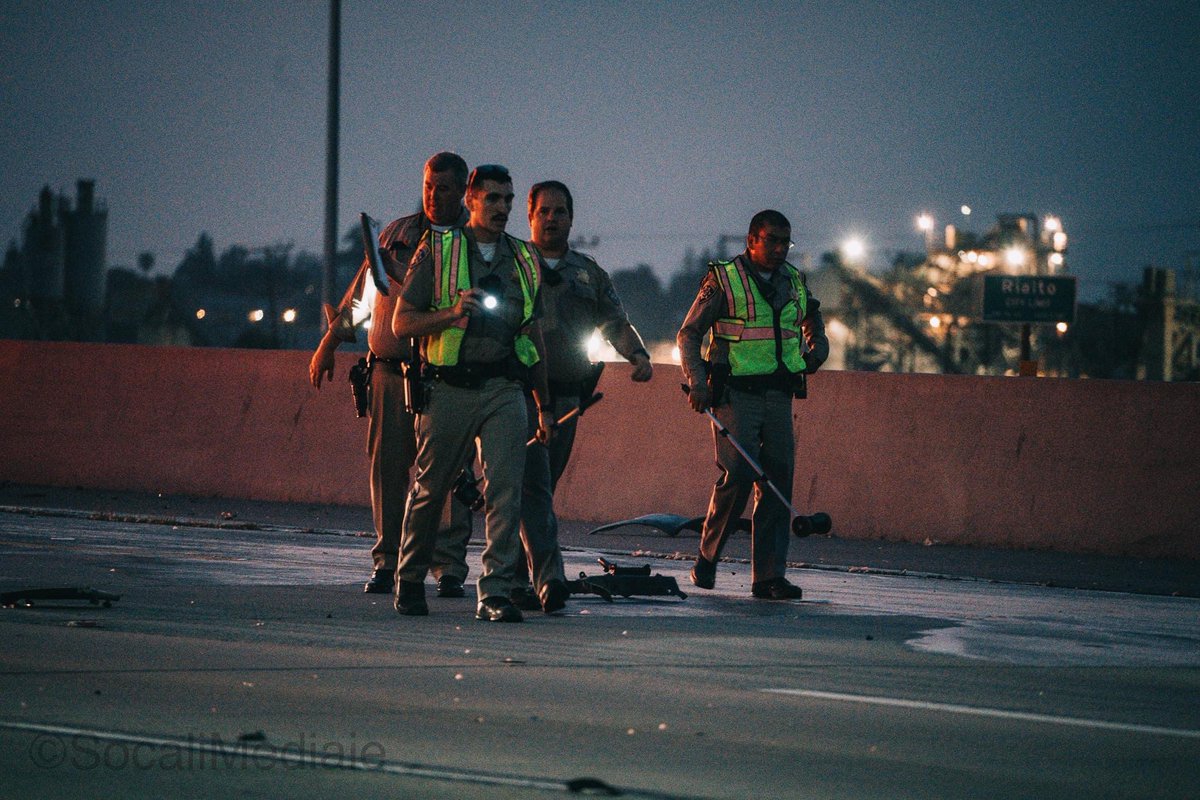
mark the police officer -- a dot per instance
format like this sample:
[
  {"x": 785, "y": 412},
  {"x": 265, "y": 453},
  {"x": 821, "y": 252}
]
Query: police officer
[
  {"x": 578, "y": 299},
  {"x": 391, "y": 446},
  {"x": 767, "y": 334},
  {"x": 472, "y": 297}
]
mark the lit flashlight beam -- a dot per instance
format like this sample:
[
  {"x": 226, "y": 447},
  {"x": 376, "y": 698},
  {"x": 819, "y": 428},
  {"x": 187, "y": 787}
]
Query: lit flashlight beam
[{"x": 361, "y": 308}]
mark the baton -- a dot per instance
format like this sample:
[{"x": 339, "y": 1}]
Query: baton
[{"x": 574, "y": 412}]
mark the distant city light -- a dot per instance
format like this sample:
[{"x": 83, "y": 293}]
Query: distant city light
[
  {"x": 289, "y": 315},
  {"x": 1053, "y": 224},
  {"x": 966, "y": 210},
  {"x": 1060, "y": 241},
  {"x": 1014, "y": 256},
  {"x": 256, "y": 315},
  {"x": 925, "y": 223},
  {"x": 931, "y": 291},
  {"x": 1061, "y": 327},
  {"x": 675, "y": 354},
  {"x": 200, "y": 313},
  {"x": 935, "y": 322},
  {"x": 853, "y": 249},
  {"x": 1056, "y": 259}
]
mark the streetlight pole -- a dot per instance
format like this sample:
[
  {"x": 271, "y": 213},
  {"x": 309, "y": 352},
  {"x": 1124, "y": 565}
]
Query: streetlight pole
[{"x": 331, "y": 152}]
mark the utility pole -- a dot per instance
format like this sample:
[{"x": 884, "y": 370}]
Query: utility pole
[{"x": 331, "y": 153}]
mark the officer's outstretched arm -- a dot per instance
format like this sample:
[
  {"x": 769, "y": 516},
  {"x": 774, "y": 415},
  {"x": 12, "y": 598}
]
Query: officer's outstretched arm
[
  {"x": 813, "y": 327},
  {"x": 321, "y": 365}
]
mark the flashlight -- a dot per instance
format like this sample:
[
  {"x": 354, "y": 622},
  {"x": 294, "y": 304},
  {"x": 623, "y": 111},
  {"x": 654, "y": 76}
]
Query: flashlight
[{"x": 491, "y": 286}]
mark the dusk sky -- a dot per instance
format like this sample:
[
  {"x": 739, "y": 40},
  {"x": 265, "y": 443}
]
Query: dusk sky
[{"x": 671, "y": 122}]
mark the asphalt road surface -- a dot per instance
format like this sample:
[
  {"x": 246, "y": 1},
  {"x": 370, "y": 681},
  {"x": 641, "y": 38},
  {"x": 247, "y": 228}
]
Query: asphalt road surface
[{"x": 250, "y": 664}]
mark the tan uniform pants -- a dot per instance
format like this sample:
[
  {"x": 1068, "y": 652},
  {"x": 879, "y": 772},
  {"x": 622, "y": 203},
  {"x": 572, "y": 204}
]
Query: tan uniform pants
[
  {"x": 391, "y": 450},
  {"x": 762, "y": 424},
  {"x": 491, "y": 417},
  {"x": 539, "y": 524}
]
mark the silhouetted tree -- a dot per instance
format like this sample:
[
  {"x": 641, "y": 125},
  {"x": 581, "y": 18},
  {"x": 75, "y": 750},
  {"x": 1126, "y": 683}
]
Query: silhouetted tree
[{"x": 199, "y": 264}]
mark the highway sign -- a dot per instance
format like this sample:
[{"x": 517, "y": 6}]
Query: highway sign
[{"x": 1029, "y": 298}]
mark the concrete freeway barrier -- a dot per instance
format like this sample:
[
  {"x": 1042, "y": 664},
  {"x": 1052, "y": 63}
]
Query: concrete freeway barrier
[{"x": 1077, "y": 466}]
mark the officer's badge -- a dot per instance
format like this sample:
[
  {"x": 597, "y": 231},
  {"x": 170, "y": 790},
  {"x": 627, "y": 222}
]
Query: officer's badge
[{"x": 707, "y": 290}]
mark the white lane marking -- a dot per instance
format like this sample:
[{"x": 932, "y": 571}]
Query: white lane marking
[{"x": 997, "y": 713}]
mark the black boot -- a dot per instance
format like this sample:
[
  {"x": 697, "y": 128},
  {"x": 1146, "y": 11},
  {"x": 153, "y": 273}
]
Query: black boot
[{"x": 410, "y": 599}]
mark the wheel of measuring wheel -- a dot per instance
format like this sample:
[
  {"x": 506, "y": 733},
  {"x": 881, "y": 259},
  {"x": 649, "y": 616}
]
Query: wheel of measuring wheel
[
  {"x": 801, "y": 526},
  {"x": 816, "y": 523},
  {"x": 821, "y": 522}
]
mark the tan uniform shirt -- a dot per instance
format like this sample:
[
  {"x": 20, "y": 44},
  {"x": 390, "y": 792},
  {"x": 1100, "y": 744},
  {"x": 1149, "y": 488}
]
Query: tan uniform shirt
[{"x": 579, "y": 298}]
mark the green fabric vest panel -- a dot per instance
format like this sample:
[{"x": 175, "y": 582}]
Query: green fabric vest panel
[
  {"x": 530, "y": 276},
  {"x": 750, "y": 326},
  {"x": 450, "y": 253}
]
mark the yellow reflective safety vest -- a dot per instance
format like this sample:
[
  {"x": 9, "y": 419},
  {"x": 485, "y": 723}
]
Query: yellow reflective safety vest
[
  {"x": 450, "y": 252},
  {"x": 760, "y": 338}
]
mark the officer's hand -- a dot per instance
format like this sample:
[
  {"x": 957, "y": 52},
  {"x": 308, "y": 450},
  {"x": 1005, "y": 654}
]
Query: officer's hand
[
  {"x": 546, "y": 425},
  {"x": 698, "y": 398},
  {"x": 642, "y": 370},
  {"x": 469, "y": 301},
  {"x": 321, "y": 366}
]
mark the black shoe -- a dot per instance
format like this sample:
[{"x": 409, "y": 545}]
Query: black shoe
[
  {"x": 704, "y": 573},
  {"x": 498, "y": 609},
  {"x": 776, "y": 589},
  {"x": 382, "y": 581},
  {"x": 554, "y": 596},
  {"x": 450, "y": 586},
  {"x": 410, "y": 599},
  {"x": 525, "y": 598}
]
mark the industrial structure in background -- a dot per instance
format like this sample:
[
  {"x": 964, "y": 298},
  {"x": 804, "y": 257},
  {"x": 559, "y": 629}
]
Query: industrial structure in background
[
  {"x": 927, "y": 314},
  {"x": 57, "y": 276},
  {"x": 923, "y": 314},
  {"x": 1171, "y": 340},
  {"x": 56, "y": 284}
]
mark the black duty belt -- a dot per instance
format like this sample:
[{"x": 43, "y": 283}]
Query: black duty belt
[
  {"x": 757, "y": 384},
  {"x": 391, "y": 365},
  {"x": 471, "y": 375}
]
